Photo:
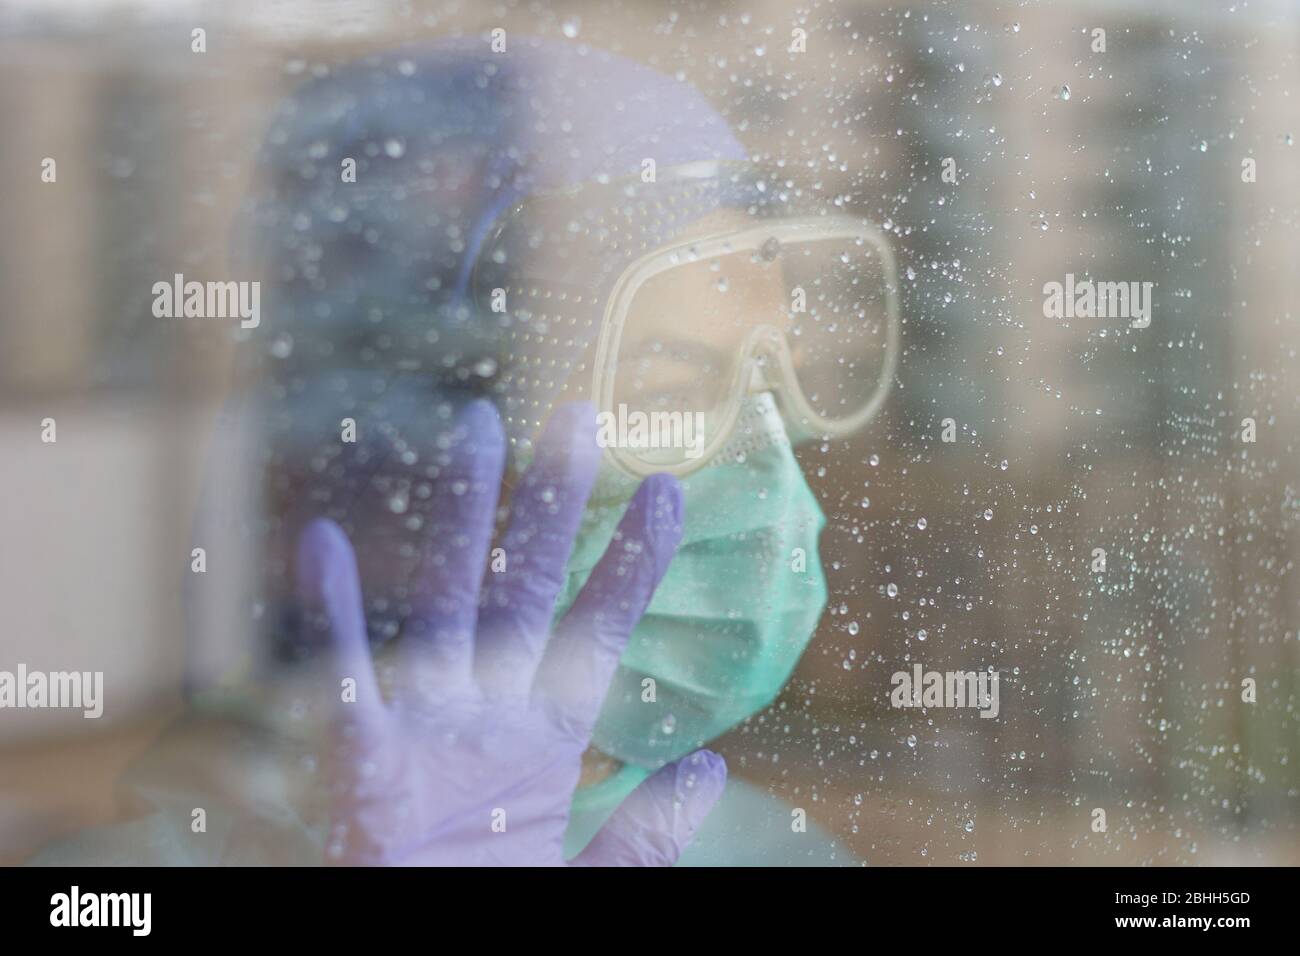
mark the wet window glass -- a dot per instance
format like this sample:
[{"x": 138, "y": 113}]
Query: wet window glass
[{"x": 953, "y": 340}]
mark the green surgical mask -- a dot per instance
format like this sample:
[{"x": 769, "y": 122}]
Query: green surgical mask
[{"x": 735, "y": 609}]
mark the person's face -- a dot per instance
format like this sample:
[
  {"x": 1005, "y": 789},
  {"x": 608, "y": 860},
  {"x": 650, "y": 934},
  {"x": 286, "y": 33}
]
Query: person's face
[
  {"x": 727, "y": 308},
  {"x": 687, "y": 327}
]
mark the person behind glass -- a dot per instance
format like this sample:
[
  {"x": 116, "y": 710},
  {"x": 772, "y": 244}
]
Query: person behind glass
[{"x": 548, "y": 279}]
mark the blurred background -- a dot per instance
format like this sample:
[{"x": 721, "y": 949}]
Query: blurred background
[{"x": 1120, "y": 689}]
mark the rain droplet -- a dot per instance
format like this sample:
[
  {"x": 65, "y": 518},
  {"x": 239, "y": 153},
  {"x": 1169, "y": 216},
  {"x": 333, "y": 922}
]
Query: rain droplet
[
  {"x": 1064, "y": 92},
  {"x": 281, "y": 346}
]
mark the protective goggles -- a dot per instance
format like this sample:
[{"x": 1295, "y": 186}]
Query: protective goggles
[{"x": 707, "y": 285}]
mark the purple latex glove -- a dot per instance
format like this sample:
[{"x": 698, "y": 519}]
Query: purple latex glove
[{"x": 476, "y": 758}]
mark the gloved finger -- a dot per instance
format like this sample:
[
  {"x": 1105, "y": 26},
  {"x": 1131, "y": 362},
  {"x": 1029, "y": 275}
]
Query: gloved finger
[
  {"x": 330, "y": 591},
  {"x": 545, "y": 512},
  {"x": 579, "y": 663},
  {"x": 660, "y": 818},
  {"x": 437, "y": 649}
]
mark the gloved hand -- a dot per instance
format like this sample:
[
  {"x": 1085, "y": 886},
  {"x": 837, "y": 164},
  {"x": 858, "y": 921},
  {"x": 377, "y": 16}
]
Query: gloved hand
[{"x": 476, "y": 757}]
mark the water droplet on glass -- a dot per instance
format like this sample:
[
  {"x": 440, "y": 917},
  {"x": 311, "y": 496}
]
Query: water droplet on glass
[{"x": 281, "y": 346}]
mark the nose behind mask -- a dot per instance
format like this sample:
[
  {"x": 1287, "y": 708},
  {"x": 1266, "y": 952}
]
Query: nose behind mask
[{"x": 735, "y": 609}]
